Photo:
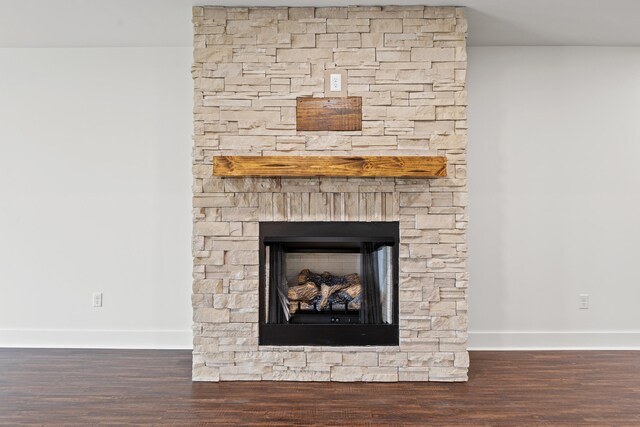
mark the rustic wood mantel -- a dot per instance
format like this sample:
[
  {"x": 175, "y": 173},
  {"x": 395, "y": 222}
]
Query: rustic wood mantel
[{"x": 345, "y": 166}]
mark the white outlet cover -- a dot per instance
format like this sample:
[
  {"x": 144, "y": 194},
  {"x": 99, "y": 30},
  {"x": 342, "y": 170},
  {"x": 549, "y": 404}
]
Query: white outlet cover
[
  {"x": 335, "y": 83},
  {"x": 97, "y": 299},
  {"x": 584, "y": 301}
]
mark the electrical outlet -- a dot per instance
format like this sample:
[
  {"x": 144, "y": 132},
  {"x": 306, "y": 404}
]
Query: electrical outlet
[
  {"x": 97, "y": 299},
  {"x": 335, "y": 84},
  {"x": 584, "y": 301}
]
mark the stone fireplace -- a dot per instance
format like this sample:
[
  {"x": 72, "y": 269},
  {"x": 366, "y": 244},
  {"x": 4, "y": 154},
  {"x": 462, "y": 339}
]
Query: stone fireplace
[{"x": 408, "y": 64}]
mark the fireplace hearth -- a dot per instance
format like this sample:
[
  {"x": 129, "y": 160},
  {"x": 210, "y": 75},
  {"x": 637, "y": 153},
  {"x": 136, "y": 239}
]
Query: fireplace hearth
[{"x": 329, "y": 283}]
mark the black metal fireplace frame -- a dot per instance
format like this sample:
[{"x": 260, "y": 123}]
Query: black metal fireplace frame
[{"x": 328, "y": 234}]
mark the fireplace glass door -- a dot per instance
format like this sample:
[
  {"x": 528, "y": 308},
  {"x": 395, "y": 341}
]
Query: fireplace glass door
[{"x": 328, "y": 283}]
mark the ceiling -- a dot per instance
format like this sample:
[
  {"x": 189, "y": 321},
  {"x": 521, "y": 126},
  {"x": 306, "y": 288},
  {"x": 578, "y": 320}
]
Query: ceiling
[{"x": 84, "y": 23}]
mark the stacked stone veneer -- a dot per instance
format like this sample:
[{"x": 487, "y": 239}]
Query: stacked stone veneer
[{"x": 409, "y": 66}]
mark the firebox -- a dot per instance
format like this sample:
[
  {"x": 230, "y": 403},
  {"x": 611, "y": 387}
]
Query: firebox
[{"x": 329, "y": 283}]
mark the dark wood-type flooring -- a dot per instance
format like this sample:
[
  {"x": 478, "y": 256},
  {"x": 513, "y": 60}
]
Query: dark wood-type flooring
[{"x": 112, "y": 387}]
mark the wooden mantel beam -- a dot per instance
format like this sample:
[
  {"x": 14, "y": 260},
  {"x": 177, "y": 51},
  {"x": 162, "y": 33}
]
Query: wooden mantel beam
[{"x": 311, "y": 166}]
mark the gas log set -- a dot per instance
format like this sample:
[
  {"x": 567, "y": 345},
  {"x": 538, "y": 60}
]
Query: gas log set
[{"x": 315, "y": 292}]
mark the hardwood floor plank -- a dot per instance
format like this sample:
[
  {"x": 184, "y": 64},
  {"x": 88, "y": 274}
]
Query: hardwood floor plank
[{"x": 125, "y": 387}]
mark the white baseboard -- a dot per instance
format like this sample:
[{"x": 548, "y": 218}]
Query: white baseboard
[
  {"x": 182, "y": 339},
  {"x": 549, "y": 340},
  {"x": 98, "y": 338}
]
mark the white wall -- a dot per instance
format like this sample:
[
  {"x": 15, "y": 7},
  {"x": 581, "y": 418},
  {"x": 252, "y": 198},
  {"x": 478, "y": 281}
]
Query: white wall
[
  {"x": 104, "y": 23},
  {"x": 554, "y": 204},
  {"x": 95, "y": 196}
]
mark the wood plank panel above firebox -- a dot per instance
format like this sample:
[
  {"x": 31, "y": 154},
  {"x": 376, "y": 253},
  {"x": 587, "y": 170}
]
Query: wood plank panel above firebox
[
  {"x": 329, "y": 114},
  {"x": 349, "y": 166}
]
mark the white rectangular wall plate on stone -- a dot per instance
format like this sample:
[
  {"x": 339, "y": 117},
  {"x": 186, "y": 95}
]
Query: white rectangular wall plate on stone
[{"x": 335, "y": 83}]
